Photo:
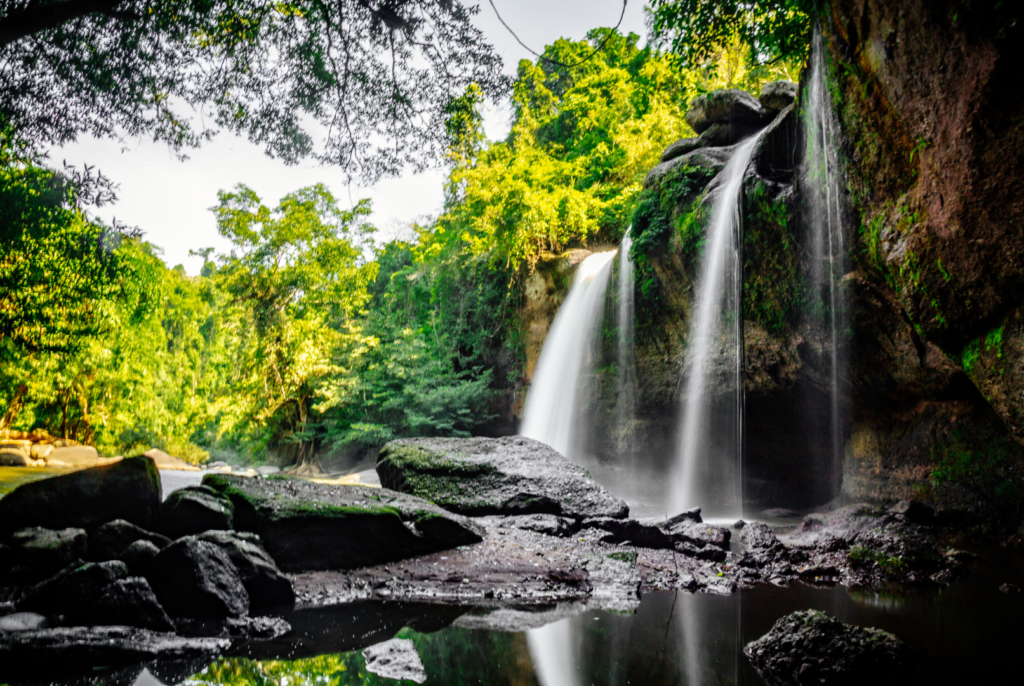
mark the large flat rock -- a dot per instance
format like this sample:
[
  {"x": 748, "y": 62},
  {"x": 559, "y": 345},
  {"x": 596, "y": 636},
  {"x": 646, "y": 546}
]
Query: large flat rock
[
  {"x": 310, "y": 526},
  {"x": 488, "y": 476},
  {"x": 129, "y": 489}
]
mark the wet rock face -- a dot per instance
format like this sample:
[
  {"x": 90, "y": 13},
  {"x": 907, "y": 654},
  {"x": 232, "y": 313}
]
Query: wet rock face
[
  {"x": 128, "y": 489},
  {"x": 266, "y": 586},
  {"x": 933, "y": 113},
  {"x": 193, "y": 510},
  {"x": 307, "y": 526},
  {"x": 724, "y": 107},
  {"x": 195, "y": 579},
  {"x": 486, "y": 476},
  {"x": 812, "y": 647}
]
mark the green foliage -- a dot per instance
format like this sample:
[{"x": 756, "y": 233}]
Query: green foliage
[
  {"x": 772, "y": 31},
  {"x": 859, "y": 556},
  {"x": 773, "y": 291},
  {"x": 984, "y": 471},
  {"x": 373, "y": 79}
]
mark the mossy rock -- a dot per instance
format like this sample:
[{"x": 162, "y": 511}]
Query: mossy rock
[
  {"x": 128, "y": 489},
  {"x": 488, "y": 476},
  {"x": 309, "y": 526}
]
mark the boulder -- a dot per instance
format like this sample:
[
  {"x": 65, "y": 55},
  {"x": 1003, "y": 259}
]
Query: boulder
[
  {"x": 267, "y": 470},
  {"x": 485, "y": 476},
  {"x": 41, "y": 451},
  {"x": 630, "y": 532},
  {"x": 680, "y": 147},
  {"x": 23, "y": 621},
  {"x": 130, "y": 602},
  {"x": 193, "y": 510},
  {"x": 550, "y": 525},
  {"x": 724, "y": 134},
  {"x": 310, "y": 526},
  {"x": 730, "y": 106},
  {"x": 74, "y": 456},
  {"x": 165, "y": 461},
  {"x": 73, "y": 592},
  {"x": 195, "y": 579},
  {"x": 72, "y": 650},
  {"x": 778, "y": 95},
  {"x": 812, "y": 647},
  {"x": 915, "y": 512},
  {"x": 128, "y": 489},
  {"x": 709, "y": 161},
  {"x": 110, "y": 540},
  {"x": 697, "y": 534},
  {"x": 15, "y": 453},
  {"x": 759, "y": 537},
  {"x": 263, "y": 581},
  {"x": 38, "y": 552},
  {"x": 139, "y": 556},
  {"x": 395, "y": 659}
]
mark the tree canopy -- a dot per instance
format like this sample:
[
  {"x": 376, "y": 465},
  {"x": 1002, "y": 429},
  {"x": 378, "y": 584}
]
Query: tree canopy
[{"x": 360, "y": 84}]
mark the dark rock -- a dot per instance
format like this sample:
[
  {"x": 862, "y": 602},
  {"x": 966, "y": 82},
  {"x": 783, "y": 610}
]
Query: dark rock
[
  {"x": 759, "y": 537},
  {"x": 266, "y": 586},
  {"x": 730, "y": 106},
  {"x": 1009, "y": 588},
  {"x": 915, "y": 512},
  {"x": 128, "y": 489},
  {"x": 692, "y": 515},
  {"x": 709, "y": 553},
  {"x": 395, "y": 659},
  {"x": 70, "y": 650},
  {"x": 139, "y": 556},
  {"x": 310, "y": 526},
  {"x": 195, "y": 579},
  {"x": 709, "y": 161},
  {"x": 775, "y": 155},
  {"x": 130, "y": 602},
  {"x": 778, "y": 95},
  {"x": 630, "y": 532},
  {"x": 485, "y": 476},
  {"x": 73, "y": 592},
  {"x": 680, "y": 147},
  {"x": 110, "y": 540},
  {"x": 37, "y": 553},
  {"x": 551, "y": 525},
  {"x": 812, "y": 647},
  {"x": 698, "y": 534},
  {"x": 739, "y": 524},
  {"x": 23, "y": 621},
  {"x": 193, "y": 510},
  {"x": 725, "y": 134}
]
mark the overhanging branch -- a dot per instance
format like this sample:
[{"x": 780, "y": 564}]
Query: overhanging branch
[{"x": 37, "y": 17}]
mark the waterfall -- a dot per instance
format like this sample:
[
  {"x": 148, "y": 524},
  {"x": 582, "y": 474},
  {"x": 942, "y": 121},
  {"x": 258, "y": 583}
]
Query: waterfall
[
  {"x": 552, "y": 403},
  {"x": 708, "y": 469},
  {"x": 824, "y": 192},
  {"x": 552, "y": 649},
  {"x": 625, "y": 404}
]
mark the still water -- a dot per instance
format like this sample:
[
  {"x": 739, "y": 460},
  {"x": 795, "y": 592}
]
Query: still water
[{"x": 965, "y": 633}]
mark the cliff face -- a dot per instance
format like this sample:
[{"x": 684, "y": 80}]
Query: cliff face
[{"x": 930, "y": 98}]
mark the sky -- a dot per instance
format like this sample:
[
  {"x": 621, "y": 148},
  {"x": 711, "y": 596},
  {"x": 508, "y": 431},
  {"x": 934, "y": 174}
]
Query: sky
[{"x": 170, "y": 200}]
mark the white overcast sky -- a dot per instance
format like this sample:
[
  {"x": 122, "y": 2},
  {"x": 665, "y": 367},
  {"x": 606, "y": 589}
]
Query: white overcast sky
[{"x": 170, "y": 200}]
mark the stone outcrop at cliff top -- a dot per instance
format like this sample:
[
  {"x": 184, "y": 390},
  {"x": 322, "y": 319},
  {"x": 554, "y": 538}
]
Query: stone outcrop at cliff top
[
  {"x": 128, "y": 489},
  {"x": 310, "y": 526},
  {"x": 730, "y": 106},
  {"x": 812, "y": 647},
  {"x": 778, "y": 95},
  {"x": 487, "y": 476}
]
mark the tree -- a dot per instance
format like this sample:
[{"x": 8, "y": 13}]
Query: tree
[
  {"x": 370, "y": 78},
  {"x": 773, "y": 30},
  {"x": 298, "y": 281}
]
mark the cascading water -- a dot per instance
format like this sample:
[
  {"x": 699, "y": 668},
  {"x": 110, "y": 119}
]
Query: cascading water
[
  {"x": 625, "y": 404},
  {"x": 708, "y": 470},
  {"x": 552, "y": 404},
  {"x": 823, "y": 199}
]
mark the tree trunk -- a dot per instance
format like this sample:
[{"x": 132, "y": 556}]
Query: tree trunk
[{"x": 13, "y": 408}]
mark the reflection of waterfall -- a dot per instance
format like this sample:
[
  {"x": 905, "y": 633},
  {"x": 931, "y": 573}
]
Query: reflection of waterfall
[
  {"x": 552, "y": 404},
  {"x": 708, "y": 637},
  {"x": 823, "y": 195},
  {"x": 553, "y": 653},
  {"x": 625, "y": 403},
  {"x": 708, "y": 468}
]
